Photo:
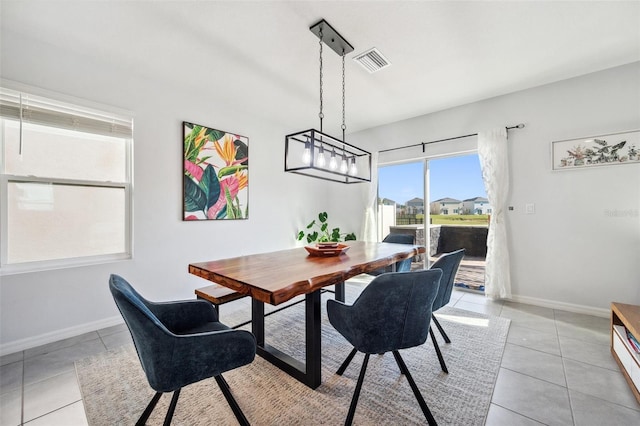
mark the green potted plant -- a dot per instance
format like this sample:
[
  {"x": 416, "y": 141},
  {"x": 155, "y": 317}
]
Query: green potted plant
[{"x": 318, "y": 231}]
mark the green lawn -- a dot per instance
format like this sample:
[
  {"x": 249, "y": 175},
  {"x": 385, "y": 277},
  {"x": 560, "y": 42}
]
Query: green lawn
[{"x": 463, "y": 219}]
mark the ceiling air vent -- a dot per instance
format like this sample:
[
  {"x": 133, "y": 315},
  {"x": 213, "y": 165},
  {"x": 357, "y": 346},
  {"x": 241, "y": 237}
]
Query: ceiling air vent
[{"x": 372, "y": 60}]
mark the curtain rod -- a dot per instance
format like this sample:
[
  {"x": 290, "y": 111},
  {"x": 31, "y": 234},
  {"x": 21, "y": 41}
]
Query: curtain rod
[{"x": 518, "y": 126}]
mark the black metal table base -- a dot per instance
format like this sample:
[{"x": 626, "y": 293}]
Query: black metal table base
[{"x": 308, "y": 372}]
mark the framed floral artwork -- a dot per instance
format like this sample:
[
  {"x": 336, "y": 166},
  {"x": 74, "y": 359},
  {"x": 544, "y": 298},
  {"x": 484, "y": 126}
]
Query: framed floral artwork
[
  {"x": 216, "y": 174},
  {"x": 592, "y": 151}
]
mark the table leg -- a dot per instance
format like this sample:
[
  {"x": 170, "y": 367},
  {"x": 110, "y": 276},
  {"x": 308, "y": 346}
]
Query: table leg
[
  {"x": 340, "y": 292},
  {"x": 313, "y": 337},
  {"x": 308, "y": 372},
  {"x": 257, "y": 321}
]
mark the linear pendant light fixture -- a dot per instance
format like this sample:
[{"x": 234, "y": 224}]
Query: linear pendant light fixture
[{"x": 316, "y": 154}]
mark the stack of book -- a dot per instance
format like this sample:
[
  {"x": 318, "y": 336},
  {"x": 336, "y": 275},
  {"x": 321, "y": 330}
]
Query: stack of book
[{"x": 633, "y": 342}]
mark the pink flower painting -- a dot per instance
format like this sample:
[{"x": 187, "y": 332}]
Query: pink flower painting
[{"x": 216, "y": 174}]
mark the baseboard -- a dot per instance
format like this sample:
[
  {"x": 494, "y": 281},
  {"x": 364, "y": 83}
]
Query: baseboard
[
  {"x": 43, "y": 339},
  {"x": 570, "y": 307}
]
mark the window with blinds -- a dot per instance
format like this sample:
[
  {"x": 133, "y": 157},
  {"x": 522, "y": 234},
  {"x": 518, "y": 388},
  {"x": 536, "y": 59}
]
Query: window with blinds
[{"x": 65, "y": 184}]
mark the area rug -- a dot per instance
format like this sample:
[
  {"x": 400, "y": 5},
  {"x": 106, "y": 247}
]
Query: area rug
[{"x": 115, "y": 390}]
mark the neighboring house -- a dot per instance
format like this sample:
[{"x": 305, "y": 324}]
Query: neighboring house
[
  {"x": 446, "y": 206},
  {"x": 415, "y": 206},
  {"x": 399, "y": 208},
  {"x": 387, "y": 202},
  {"x": 476, "y": 205}
]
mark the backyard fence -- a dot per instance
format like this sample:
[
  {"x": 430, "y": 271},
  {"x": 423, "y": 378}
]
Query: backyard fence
[{"x": 409, "y": 219}]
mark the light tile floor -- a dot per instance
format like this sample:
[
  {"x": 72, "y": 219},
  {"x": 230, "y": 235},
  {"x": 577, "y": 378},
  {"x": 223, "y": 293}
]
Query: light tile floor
[{"x": 556, "y": 370}]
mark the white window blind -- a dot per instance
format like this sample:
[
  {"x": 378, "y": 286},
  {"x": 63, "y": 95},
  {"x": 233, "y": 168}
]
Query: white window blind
[
  {"x": 65, "y": 184},
  {"x": 33, "y": 109}
]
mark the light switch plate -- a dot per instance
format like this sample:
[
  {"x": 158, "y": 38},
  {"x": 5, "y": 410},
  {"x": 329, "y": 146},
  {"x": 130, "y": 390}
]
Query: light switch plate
[{"x": 530, "y": 208}]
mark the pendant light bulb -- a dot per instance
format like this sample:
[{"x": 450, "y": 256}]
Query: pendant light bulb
[
  {"x": 333, "y": 163},
  {"x": 353, "y": 169},
  {"x": 343, "y": 165},
  {"x": 322, "y": 161},
  {"x": 306, "y": 154}
]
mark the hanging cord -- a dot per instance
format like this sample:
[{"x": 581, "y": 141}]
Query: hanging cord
[
  {"x": 21, "y": 131},
  {"x": 344, "y": 126},
  {"x": 321, "y": 114}
]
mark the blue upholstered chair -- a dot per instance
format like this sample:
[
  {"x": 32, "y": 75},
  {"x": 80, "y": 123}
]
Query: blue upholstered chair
[
  {"x": 180, "y": 343},
  {"x": 449, "y": 264},
  {"x": 388, "y": 315},
  {"x": 403, "y": 265}
]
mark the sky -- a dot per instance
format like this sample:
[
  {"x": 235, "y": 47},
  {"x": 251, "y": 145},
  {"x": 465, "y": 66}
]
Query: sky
[{"x": 453, "y": 177}]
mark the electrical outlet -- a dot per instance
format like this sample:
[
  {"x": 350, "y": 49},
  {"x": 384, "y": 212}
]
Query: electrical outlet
[{"x": 530, "y": 208}]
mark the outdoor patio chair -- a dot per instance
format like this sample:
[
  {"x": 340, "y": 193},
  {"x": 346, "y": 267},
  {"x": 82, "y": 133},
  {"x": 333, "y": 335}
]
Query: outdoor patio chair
[
  {"x": 180, "y": 343},
  {"x": 403, "y": 265},
  {"x": 386, "y": 317},
  {"x": 448, "y": 263}
]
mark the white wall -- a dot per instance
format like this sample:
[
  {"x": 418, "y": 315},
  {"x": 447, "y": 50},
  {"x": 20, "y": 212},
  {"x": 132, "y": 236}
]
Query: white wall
[
  {"x": 569, "y": 254},
  {"x": 46, "y": 306}
]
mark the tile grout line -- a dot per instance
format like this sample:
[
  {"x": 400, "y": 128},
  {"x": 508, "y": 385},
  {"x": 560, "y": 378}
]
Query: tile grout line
[
  {"x": 519, "y": 414},
  {"x": 564, "y": 371},
  {"x": 506, "y": 338},
  {"x": 533, "y": 377}
]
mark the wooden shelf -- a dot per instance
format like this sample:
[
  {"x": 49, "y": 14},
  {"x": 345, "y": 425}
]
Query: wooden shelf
[{"x": 627, "y": 317}]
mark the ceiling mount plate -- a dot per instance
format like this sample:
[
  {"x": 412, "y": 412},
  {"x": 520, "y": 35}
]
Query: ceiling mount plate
[{"x": 331, "y": 38}]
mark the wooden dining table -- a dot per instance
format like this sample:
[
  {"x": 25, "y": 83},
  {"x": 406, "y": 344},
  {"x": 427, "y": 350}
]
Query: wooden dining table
[{"x": 279, "y": 276}]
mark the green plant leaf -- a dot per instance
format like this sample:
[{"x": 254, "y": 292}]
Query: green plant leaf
[
  {"x": 312, "y": 237},
  {"x": 231, "y": 211},
  {"x": 321, "y": 233},
  {"x": 210, "y": 185},
  {"x": 213, "y": 134},
  {"x": 619, "y": 145},
  {"x": 230, "y": 170},
  {"x": 242, "y": 151},
  {"x": 203, "y": 159},
  {"x": 237, "y": 208},
  {"x": 195, "y": 199},
  {"x": 222, "y": 213}
]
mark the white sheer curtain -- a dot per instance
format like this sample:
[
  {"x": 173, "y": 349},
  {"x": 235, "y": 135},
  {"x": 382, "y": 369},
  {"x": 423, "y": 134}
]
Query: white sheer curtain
[
  {"x": 369, "y": 224},
  {"x": 492, "y": 150}
]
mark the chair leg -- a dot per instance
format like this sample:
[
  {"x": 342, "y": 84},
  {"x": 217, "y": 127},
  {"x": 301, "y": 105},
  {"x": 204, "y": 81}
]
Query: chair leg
[
  {"x": 231, "y": 400},
  {"x": 147, "y": 411},
  {"x": 414, "y": 388},
  {"x": 356, "y": 393},
  {"x": 172, "y": 408},
  {"x": 400, "y": 363},
  {"x": 437, "y": 348},
  {"x": 440, "y": 329},
  {"x": 346, "y": 362}
]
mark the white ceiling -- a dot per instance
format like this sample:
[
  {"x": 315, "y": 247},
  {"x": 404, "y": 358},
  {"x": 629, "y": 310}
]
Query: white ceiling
[{"x": 260, "y": 58}]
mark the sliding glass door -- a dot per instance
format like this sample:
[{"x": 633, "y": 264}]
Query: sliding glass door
[{"x": 441, "y": 201}]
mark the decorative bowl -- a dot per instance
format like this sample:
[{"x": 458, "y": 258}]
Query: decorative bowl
[
  {"x": 327, "y": 251},
  {"x": 327, "y": 244}
]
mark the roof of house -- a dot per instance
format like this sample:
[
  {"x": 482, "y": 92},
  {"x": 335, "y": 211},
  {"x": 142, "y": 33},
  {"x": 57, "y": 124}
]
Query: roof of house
[
  {"x": 478, "y": 199},
  {"x": 387, "y": 201},
  {"x": 416, "y": 200},
  {"x": 447, "y": 200}
]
